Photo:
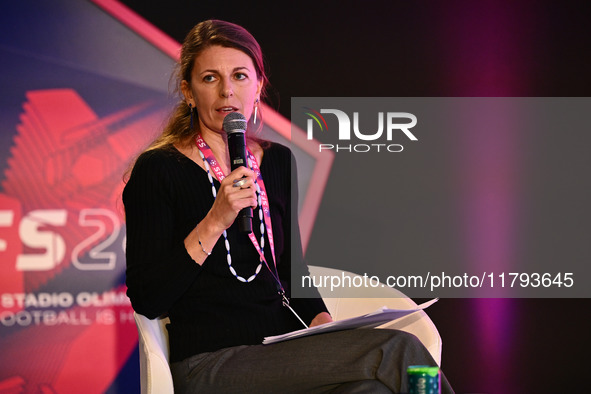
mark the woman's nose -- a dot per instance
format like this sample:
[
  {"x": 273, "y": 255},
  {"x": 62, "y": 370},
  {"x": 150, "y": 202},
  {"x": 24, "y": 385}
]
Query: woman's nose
[{"x": 226, "y": 89}]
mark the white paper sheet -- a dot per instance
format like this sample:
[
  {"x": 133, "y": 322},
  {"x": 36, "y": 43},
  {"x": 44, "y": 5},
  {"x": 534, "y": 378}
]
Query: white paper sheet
[{"x": 373, "y": 319}]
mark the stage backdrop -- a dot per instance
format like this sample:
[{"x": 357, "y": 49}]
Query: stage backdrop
[{"x": 85, "y": 88}]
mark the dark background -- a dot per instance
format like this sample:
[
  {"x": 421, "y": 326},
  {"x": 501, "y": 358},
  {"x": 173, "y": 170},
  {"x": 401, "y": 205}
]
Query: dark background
[{"x": 435, "y": 48}]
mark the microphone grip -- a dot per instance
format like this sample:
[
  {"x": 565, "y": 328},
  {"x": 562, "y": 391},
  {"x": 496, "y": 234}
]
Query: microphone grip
[
  {"x": 245, "y": 220},
  {"x": 237, "y": 150}
]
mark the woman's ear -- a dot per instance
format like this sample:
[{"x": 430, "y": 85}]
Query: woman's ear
[{"x": 186, "y": 90}]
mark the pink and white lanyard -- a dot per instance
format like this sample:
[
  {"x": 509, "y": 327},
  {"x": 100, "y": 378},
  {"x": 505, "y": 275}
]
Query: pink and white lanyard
[{"x": 210, "y": 162}]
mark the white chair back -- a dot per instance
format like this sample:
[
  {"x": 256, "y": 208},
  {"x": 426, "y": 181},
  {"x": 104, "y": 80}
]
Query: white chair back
[{"x": 155, "y": 376}]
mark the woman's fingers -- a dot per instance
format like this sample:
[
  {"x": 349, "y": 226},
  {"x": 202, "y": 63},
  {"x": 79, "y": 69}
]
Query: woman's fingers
[
  {"x": 237, "y": 191},
  {"x": 239, "y": 182},
  {"x": 241, "y": 172},
  {"x": 242, "y": 198}
]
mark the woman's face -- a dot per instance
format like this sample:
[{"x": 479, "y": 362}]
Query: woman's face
[{"x": 223, "y": 80}]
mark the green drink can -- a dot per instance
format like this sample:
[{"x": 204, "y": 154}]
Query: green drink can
[{"x": 423, "y": 379}]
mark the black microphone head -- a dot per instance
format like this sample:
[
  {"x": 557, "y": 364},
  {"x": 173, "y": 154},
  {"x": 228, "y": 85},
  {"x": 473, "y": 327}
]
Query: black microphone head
[{"x": 234, "y": 122}]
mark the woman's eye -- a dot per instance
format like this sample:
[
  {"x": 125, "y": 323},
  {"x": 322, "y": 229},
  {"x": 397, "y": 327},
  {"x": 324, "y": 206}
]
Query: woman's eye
[
  {"x": 240, "y": 76},
  {"x": 209, "y": 78}
]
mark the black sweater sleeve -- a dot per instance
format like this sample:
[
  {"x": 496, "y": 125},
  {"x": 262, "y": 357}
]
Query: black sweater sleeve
[{"x": 159, "y": 269}]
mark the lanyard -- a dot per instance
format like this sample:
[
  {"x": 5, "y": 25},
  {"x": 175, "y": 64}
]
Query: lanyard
[{"x": 264, "y": 214}]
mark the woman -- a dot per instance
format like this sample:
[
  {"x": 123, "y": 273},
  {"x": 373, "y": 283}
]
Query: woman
[{"x": 223, "y": 290}]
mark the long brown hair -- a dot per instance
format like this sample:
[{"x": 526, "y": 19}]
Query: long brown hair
[{"x": 205, "y": 34}]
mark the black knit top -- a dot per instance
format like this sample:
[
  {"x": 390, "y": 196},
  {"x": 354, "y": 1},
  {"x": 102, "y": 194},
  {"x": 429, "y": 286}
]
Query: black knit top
[{"x": 209, "y": 309}]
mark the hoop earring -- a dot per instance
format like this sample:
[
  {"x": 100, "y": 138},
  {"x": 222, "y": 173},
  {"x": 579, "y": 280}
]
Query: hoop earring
[
  {"x": 256, "y": 108},
  {"x": 191, "y": 114}
]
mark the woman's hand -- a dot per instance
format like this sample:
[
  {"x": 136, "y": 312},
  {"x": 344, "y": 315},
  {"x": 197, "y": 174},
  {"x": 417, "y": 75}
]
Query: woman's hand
[
  {"x": 237, "y": 191},
  {"x": 321, "y": 318}
]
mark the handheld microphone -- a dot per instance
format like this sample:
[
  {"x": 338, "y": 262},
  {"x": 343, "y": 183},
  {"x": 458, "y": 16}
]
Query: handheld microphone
[{"x": 235, "y": 126}]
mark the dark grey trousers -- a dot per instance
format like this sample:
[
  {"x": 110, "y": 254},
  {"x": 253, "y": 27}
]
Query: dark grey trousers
[{"x": 352, "y": 361}]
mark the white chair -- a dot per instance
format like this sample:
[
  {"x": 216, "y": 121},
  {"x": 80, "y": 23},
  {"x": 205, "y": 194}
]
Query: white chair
[{"x": 155, "y": 376}]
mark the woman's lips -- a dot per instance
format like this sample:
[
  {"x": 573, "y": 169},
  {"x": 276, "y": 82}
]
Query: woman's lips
[{"x": 227, "y": 109}]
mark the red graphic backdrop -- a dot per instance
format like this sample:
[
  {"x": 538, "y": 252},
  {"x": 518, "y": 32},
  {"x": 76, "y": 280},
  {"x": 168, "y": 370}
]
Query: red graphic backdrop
[{"x": 62, "y": 162}]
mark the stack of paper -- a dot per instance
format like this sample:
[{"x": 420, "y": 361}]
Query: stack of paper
[{"x": 373, "y": 319}]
